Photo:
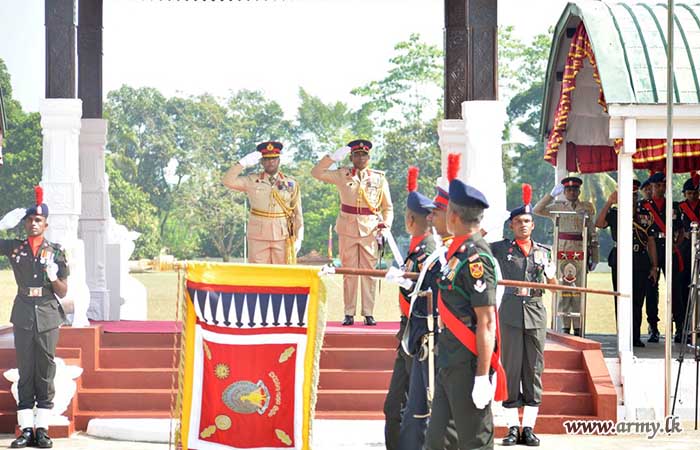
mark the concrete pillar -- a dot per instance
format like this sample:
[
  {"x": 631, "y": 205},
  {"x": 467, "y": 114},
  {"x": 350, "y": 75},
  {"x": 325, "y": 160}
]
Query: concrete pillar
[
  {"x": 60, "y": 123},
  {"x": 95, "y": 214}
]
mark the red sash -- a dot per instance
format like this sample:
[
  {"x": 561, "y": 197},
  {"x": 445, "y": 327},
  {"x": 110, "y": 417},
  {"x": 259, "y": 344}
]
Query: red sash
[
  {"x": 662, "y": 226},
  {"x": 655, "y": 215},
  {"x": 467, "y": 337},
  {"x": 689, "y": 212}
]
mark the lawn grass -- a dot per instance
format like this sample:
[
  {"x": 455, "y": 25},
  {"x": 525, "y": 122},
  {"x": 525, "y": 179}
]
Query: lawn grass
[{"x": 162, "y": 292}]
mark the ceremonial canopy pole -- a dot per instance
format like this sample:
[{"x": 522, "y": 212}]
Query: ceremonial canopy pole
[{"x": 669, "y": 208}]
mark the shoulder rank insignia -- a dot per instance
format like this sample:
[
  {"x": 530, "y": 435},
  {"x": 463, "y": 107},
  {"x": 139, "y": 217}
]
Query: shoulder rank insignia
[
  {"x": 476, "y": 269},
  {"x": 474, "y": 257},
  {"x": 479, "y": 286}
]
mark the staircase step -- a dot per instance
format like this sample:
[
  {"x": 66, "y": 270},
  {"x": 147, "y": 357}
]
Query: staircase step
[
  {"x": 131, "y": 340},
  {"x": 364, "y": 340},
  {"x": 567, "y": 403},
  {"x": 563, "y": 359},
  {"x": 154, "y": 378},
  {"x": 358, "y": 358},
  {"x": 124, "y": 358},
  {"x": 82, "y": 418},
  {"x": 546, "y": 424},
  {"x": 371, "y": 400},
  {"x": 566, "y": 380},
  {"x": 7, "y": 401},
  {"x": 124, "y": 400},
  {"x": 354, "y": 379}
]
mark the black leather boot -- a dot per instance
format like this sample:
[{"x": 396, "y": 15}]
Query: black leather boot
[
  {"x": 349, "y": 320},
  {"x": 577, "y": 332},
  {"x": 26, "y": 439},
  {"x": 42, "y": 438},
  {"x": 528, "y": 438},
  {"x": 513, "y": 436},
  {"x": 369, "y": 320}
]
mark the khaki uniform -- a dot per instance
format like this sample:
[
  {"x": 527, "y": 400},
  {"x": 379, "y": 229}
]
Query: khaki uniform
[
  {"x": 571, "y": 267},
  {"x": 364, "y": 198},
  {"x": 270, "y": 240}
]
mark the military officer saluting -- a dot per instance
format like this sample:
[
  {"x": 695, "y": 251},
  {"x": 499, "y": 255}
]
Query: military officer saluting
[
  {"x": 571, "y": 246},
  {"x": 40, "y": 270},
  {"x": 365, "y": 209},
  {"x": 468, "y": 347},
  {"x": 523, "y": 320},
  {"x": 276, "y": 223}
]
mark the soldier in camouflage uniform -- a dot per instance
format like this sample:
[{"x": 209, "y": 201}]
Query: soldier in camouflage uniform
[
  {"x": 40, "y": 270},
  {"x": 570, "y": 248}
]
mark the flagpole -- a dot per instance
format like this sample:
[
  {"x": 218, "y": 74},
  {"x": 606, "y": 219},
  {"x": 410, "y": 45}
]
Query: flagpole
[{"x": 669, "y": 209}]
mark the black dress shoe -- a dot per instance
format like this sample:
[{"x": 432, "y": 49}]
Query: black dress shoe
[
  {"x": 527, "y": 437},
  {"x": 42, "y": 438},
  {"x": 369, "y": 320},
  {"x": 26, "y": 439},
  {"x": 653, "y": 336},
  {"x": 513, "y": 436},
  {"x": 349, "y": 320},
  {"x": 638, "y": 343}
]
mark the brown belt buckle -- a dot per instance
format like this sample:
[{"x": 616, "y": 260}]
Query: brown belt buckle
[
  {"x": 35, "y": 291},
  {"x": 523, "y": 292}
]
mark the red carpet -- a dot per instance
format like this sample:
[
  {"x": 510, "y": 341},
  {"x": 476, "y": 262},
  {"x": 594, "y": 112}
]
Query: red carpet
[
  {"x": 360, "y": 327},
  {"x": 139, "y": 326}
]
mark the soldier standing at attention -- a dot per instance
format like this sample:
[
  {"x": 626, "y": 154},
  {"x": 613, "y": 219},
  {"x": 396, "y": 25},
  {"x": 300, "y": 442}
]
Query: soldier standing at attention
[
  {"x": 276, "y": 223},
  {"x": 365, "y": 209},
  {"x": 406, "y": 431},
  {"x": 644, "y": 262},
  {"x": 40, "y": 270},
  {"x": 468, "y": 347},
  {"x": 570, "y": 246},
  {"x": 523, "y": 320}
]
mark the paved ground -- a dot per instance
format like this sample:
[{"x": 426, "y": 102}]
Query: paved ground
[{"x": 365, "y": 435}]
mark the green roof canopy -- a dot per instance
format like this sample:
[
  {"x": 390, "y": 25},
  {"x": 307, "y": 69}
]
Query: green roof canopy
[{"x": 629, "y": 43}]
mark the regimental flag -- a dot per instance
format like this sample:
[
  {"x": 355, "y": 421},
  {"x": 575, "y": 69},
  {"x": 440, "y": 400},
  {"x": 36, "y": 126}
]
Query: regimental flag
[{"x": 252, "y": 343}]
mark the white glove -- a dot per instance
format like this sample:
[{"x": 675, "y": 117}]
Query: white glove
[
  {"x": 250, "y": 159},
  {"x": 11, "y": 219},
  {"x": 396, "y": 276},
  {"x": 550, "y": 271},
  {"x": 592, "y": 265},
  {"x": 340, "y": 154},
  {"x": 482, "y": 392},
  {"x": 297, "y": 246},
  {"x": 557, "y": 190},
  {"x": 52, "y": 271}
]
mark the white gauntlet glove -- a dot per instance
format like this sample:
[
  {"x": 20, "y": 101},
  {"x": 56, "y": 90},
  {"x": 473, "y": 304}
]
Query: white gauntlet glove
[
  {"x": 52, "y": 271},
  {"x": 394, "y": 275},
  {"x": 482, "y": 392},
  {"x": 250, "y": 159},
  {"x": 340, "y": 154},
  {"x": 11, "y": 219},
  {"x": 557, "y": 190}
]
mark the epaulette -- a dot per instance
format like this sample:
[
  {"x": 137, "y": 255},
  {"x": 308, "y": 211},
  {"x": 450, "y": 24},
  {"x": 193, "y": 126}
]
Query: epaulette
[{"x": 379, "y": 172}]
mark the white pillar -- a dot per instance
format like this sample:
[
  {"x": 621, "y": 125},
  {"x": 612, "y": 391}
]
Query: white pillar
[
  {"x": 60, "y": 122},
  {"x": 451, "y": 139},
  {"x": 625, "y": 174},
  {"x": 561, "y": 171},
  {"x": 95, "y": 214}
]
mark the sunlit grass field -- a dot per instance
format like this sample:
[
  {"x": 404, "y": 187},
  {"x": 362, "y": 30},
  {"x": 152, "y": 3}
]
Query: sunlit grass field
[{"x": 162, "y": 292}]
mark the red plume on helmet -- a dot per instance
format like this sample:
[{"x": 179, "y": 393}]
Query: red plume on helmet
[
  {"x": 39, "y": 194},
  {"x": 696, "y": 179},
  {"x": 412, "y": 179},
  {"x": 527, "y": 194},
  {"x": 453, "y": 162}
]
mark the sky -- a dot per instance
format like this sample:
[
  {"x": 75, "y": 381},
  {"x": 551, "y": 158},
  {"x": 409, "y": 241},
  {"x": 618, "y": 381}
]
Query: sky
[{"x": 328, "y": 47}]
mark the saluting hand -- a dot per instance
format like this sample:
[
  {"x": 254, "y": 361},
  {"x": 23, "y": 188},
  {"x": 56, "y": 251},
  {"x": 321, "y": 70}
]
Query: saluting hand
[
  {"x": 557, "y": 190},
  {"x": 250, "y": 159},
  {"x": 340, "y": 154}
]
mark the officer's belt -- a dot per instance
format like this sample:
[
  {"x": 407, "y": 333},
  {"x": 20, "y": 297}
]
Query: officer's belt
[
  {"x": 268, "y": 215},
  {"x": 34, "y": 292},
  {"x": 356, "y": 210},
  {"x": 570, "y": 236},
  {"x": 523, "y": 292}
]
